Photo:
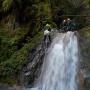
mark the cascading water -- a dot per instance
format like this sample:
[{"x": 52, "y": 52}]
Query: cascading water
[{"x": 59, "y": 69}]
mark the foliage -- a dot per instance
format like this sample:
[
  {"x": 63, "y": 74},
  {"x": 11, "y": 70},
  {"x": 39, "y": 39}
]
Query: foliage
[
  {"x": 7, "y": 4},
  {"x": 13, "y": 59},
  {"x": 87, "y": 2}
]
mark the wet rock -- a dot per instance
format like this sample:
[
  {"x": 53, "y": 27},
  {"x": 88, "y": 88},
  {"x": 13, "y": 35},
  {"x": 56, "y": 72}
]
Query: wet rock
[
  {"x": 84, "y": 44},
  {"x": 81, "y": 80},
  {"x": 8, "y": 87},
  {"x": 3, "y": 87},
  {"x": 31, "y": 70}
]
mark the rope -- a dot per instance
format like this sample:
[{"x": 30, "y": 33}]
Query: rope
[{"x": 76, "y": 15}]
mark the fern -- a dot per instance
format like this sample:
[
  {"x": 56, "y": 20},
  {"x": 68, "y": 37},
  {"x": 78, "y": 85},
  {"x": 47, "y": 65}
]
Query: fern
[
  {"x": 87, "y": 2},
  {"x": 7, "y": 4}
]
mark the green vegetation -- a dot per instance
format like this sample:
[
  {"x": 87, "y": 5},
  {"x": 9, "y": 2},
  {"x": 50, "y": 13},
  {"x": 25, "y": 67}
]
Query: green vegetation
[
  {"x": 13, "y": 58},
  {"x": 20, "y": 31},
  {"x": 87, "y": 2}
]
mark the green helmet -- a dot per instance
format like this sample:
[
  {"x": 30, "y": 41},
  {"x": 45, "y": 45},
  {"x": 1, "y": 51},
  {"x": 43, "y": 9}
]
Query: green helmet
[{"x": 48, "y": 25}]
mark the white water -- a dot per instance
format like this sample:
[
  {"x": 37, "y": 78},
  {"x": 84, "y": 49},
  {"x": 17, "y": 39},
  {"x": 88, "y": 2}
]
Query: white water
[{"x": 60, "y": 64}]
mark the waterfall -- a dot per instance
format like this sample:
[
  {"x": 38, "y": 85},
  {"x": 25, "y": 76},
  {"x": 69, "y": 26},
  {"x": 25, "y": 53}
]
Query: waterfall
[{"x": 59, "y": 69}]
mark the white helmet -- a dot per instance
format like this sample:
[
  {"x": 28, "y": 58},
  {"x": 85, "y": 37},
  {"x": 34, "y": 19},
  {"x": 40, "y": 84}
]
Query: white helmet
[
  {"x": 68, "y": 19},
  {"x": 64, "y": 20}
]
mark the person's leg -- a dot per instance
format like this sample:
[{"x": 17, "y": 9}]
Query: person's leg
[
  {"x": 49, "y": 29},
  {"x": 44, "y": 38},
  {"x": 49, "y": 38}
]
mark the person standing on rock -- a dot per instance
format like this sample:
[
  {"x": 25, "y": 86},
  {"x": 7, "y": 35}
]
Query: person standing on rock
[
  {"x": 64, "y": 22},
  {"x": 69, "y": 24},
  {"x": 64, "y": 25}
]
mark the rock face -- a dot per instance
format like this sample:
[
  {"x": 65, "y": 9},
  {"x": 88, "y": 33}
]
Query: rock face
[
  {"x": 31, "y": 71},
  {"x": 84, "y": 43},
  {"x": 3, "y": 87}
]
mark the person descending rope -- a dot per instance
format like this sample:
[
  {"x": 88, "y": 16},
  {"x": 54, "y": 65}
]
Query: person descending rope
[{"x": 47, "y": 37}]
